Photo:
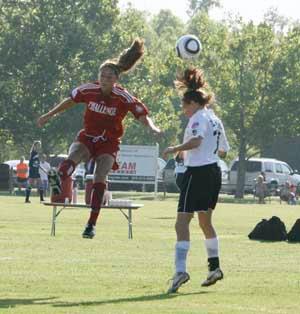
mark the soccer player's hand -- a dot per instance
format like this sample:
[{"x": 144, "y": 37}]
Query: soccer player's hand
[
  {"x": 158, "y": 133},
  {"x": 42, "y": 120},
  {"x": 222, "y": 153},
  {"x": 167, "y": 151}
]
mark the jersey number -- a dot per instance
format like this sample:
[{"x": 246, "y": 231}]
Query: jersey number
[{"x": 217, "y": 133}]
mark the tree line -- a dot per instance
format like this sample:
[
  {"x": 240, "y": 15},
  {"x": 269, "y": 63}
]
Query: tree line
[{"x": 48, "y": 47}]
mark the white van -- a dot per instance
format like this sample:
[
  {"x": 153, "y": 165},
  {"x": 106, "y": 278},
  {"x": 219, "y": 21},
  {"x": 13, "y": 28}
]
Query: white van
[
  {"x": 170, "y": 179},
  {"x": 277, "y": 172}
]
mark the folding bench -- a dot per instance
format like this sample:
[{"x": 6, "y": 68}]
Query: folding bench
[{"x": 59, "y": 207}]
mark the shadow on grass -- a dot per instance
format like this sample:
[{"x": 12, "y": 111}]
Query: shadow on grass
[
  {"x": 10, "y": 303},
  {"x": 267, "y": 241},
  {"x": 173, "y": 218},
  {"x": 142, "y": 298},
  {"x": 275, "y": 241}
]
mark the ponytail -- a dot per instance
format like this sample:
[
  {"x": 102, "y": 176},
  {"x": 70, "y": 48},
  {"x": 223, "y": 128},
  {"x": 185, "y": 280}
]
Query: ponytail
[
  {"x": 191, "y": 84},
  {"x": 127, "y": 59}
]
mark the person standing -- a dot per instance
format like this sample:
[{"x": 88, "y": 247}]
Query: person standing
[
  {"x": 202, "y": 179},
  {"x": 22, "y": 173},
  {"x": 106, "y": 105},
  {"x": 43, "y": 170},
  {"x": 34, "y": 174},
  {"x": 260, "y": 189}
]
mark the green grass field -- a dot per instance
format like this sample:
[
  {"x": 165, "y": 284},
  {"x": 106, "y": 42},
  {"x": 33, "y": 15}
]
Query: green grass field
[{"x": 111, "y": 274}]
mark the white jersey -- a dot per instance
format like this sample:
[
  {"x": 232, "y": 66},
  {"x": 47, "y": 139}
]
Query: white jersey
[
  {"x": 43, "y": 173},
  {"x": 223, "y": 142},
  {"x": 205, "y": 124}
]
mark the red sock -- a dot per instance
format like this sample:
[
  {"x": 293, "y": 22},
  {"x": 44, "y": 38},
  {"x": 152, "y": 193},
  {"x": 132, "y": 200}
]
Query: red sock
[
  {"x": 96, "y": 201},
  {"x": 93, "y": 217}
]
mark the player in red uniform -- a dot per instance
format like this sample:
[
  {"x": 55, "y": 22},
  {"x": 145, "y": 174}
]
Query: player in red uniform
[{"x": 106, "y": 105}]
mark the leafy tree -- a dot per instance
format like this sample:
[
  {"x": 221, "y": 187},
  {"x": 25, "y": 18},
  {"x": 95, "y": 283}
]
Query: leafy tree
[
  {"x": 165, "y": 22},
  {"x": 152, "y": 80},
  {"x": 251, "y": 55},
  {"x": 282, "y": 107},
  {"x": 48, "y": 47},
  {"x": 252, "y": 70},
  {"x": 202, "y": 5}
]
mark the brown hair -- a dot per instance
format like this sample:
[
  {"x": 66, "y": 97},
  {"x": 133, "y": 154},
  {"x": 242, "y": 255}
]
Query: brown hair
[
  {"x": 34, "y": 145},
  {"x": 192, "y": 83},
  {"x": 127, "y": 59}
]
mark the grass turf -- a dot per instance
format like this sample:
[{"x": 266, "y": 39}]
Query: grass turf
[{"x": 111, "y": 274}]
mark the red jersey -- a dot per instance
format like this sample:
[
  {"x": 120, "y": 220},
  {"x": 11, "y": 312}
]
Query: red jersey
[{"x": 104, "y": 115}]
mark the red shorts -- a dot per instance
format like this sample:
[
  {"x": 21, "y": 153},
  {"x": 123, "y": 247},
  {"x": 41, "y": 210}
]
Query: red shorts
[{"x": 98, "y": 146}]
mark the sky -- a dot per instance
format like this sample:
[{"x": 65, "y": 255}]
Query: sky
[{"x": 249, "y": 9}]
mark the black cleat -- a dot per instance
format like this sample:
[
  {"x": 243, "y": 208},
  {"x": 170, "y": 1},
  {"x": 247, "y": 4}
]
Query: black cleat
[
  {"x": 213, "y": 277},
  {"x": 89, "y": 231}
]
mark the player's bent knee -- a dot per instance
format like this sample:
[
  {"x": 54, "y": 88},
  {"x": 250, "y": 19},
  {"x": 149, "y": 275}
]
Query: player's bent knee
[
  {"x": 104, "y": 164},
  {"x": 79, "y": 152}
]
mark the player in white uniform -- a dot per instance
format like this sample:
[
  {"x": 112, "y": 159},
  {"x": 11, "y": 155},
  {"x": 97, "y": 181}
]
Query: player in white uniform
[{"x": 204, "y": 141}]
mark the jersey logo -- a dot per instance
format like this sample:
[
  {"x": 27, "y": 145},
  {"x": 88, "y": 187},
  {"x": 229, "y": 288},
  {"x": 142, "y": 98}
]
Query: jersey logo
[
  {"x": 101, "y": 108},
  {"x": 195, "y": 125}
]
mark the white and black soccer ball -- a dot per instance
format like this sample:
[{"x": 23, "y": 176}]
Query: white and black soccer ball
[{"x": 188, "y": 47}]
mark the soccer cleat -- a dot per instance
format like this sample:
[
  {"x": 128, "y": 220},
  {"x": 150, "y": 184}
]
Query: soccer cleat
[
  {"x": 89, "y": 231},
  {"x": 178, "y": 280},
  {"x": 213, "y": 277},
  {"x": 27, "y": 201},
  {"x": 54, "y": 181}
]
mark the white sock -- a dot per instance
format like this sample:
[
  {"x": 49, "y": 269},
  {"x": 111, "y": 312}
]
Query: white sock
[
  {"x": 181, "y": 251},
  {"x": 212, "y": 247}
]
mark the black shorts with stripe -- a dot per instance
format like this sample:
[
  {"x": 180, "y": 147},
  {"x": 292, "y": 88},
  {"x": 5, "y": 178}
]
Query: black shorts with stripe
[
  {"x": 34, "y": 173},
  {"x": 200, "y": 188}
]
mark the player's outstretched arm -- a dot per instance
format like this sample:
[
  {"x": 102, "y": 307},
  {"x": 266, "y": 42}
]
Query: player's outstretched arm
[
  {"x": 62, "y": 106},
  {"x": 188, "y": 145},
  {"x": 147, "y": 121}
]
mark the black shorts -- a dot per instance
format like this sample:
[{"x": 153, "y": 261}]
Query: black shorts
[
  {"x": 179, "y": 180},
  {"x": 200, "y": 188},
  {"x": 34, "y": 174}
]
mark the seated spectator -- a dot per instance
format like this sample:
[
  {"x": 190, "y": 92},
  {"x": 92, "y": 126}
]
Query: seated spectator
[{"x": 288, "y": 193}]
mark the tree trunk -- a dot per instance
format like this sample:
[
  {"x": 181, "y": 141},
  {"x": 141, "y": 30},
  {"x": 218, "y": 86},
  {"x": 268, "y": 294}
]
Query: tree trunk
[
  {"x": 240, "y": 184},
  {"x": 241, "y": 174}
]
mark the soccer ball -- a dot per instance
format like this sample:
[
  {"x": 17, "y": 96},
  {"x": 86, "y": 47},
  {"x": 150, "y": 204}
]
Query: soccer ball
[{"x": 188, "y": 47}]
